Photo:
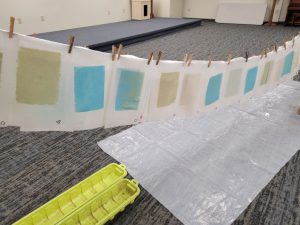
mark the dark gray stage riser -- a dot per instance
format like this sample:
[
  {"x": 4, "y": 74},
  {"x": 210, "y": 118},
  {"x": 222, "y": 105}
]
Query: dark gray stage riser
[{"x": 107, "y": 46}]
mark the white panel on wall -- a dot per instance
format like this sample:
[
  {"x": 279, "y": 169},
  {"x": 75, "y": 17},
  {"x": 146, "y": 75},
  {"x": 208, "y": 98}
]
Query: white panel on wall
[
  {"x": 207, "y": 9},
  {"x": 283, "y": 12},
  {"x": 176, "y": 8},
  {"x": 278, "y": 10},
  {"x": 161, "y": 8},
  {"x": 241, "y": 13}
]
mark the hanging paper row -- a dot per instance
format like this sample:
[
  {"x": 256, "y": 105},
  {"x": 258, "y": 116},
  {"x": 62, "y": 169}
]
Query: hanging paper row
[{"x": 43, "y": 88}]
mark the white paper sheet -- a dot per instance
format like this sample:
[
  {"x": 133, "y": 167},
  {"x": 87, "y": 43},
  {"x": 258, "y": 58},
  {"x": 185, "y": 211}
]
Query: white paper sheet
[{"x": 206, "y": 170}]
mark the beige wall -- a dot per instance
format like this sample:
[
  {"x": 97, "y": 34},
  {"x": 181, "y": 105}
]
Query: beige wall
[{"x": 61, "y": 14}]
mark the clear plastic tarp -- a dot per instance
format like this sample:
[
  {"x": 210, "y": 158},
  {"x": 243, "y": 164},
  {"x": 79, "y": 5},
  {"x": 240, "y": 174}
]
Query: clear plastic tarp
[{"x": 206, "y": 170}]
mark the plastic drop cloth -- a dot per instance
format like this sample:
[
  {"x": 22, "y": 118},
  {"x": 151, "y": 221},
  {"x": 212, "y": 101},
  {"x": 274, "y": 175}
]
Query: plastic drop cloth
[{"x": 206, "y": 170}]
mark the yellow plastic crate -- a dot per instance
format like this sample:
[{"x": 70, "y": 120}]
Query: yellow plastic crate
[
  {"x": 105, "y": 206},
  {"x": 70, "y": 200}
]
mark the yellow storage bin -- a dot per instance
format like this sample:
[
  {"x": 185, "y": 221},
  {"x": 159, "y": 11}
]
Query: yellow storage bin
[
  {"x": 65, "y": 203},
  {"x": 105, "y": 206}
]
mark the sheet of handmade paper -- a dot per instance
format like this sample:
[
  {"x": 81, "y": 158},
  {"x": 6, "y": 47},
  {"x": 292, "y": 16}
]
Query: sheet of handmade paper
[
  {"x": 166, "y": 84},
  {"x": 88, "y": 83},
  {"x": 214, "y": 86},
  {"x": 207, "y": 169},
  {"x": 250, "y": 78},
  {"x": 192, "y": 88},
  {"x": 283, "y": 63},
  {"x": 234, "y": 81},
  {"x": 1, "y": 59},
  {"x": 8, "y": 55},
  {"x": 296, "y": 63},
  {"x": 39, "y": 86},
  {"x": 290, "y": 55},
  {"x": 128, "y": 92}
]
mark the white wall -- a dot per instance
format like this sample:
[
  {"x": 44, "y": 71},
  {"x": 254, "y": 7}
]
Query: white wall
[
  {"x": 207, "y": 9},
  {"x": 61, "y": 14}
]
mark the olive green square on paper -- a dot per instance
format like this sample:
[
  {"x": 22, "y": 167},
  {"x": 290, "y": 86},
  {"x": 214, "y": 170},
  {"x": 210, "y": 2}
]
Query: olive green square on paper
[
  {"x": 234, "y": 82},
  {"x": 266, "y": 73},
  {"x": 190, "y": 86},
  {"x": 168, "y": 89},
  {"x": 38, "y": 76}
]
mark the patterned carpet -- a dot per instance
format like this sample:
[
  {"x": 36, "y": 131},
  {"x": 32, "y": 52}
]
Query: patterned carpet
[{"x": 37, "y": 166}]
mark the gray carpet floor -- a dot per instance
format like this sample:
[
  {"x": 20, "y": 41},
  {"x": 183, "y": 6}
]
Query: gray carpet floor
[
  {"x": 219, "y": 40},
  {"x": 37, "y": 166}
]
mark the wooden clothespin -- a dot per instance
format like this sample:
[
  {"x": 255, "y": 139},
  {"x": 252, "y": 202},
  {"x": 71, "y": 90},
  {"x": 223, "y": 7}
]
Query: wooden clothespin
[
  {"x": 150, "y": 58},
  {"x": 190, "y": 59},
  {"x": 71, "y": 43},
  {"x": 247, "y": 55},
  {"x": 185, "y": 59},
  {"x": 284, "y": 45},
  {"x": 209, "y": 61},
  {"x": 33, "y": 35},
  {"x": 293, "y": 42},
  {"x": 275, "y": 48},
  {"x": 262, "y": 53},
  {"x": 298, "y": 112},
  {"x": 113, "y": 52},
  {"x": 119, "y": 51},
  {"x": 11, "y": 27},
  {"x": 267, "y": 50},
  {"x": 229, "y": 59},
  {"x": 158, "y": 57}
]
